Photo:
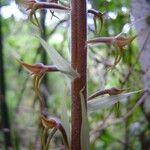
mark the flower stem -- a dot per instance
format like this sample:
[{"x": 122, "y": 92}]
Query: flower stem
[{"x": 79, "y": 63}]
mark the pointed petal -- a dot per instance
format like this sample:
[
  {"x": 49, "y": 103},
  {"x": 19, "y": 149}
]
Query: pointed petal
[
  {"x": 59, "y": 61},
  {"x": 108, "y": 101},
  {"x": 48, "y": 123}
]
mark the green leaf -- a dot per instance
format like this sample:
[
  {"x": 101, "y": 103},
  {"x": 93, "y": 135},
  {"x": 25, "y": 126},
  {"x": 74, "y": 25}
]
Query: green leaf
[
  {"x": 85, "y": 125},
  {"x": 108, "y": 101},
  {"x": 65, "y": 120},
  {"x": 64, "y": 115},
  {"x": 50, "y": 136},
  {"x": 59, "y": 61}
]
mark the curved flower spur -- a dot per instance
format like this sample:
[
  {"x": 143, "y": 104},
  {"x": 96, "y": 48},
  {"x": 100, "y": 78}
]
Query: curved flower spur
[
  {"x": 111, "y": 91},
  {"x": 38, "y": 71},
  {"x": 118, "y": 41},
  {"x": 33, "y": 6},
  {"x": 97, "y": 16},
  {"x": 52, "y": 124}
]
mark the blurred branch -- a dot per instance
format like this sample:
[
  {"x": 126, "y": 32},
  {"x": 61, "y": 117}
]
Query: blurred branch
[
  {"x": 100, "y": 126},
  {"x": 55, "y": 28},
  {"x": 43, "y": 52},
  {"x": 3, "y": 104},
  {"x": 38, "y": 51}
]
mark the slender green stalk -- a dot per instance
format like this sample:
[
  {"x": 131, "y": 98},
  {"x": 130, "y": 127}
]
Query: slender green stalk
[
  {"x": 79, "y": 63},
  {"x": 44, "y": 54},
  {"x": 5, "y": 122}
]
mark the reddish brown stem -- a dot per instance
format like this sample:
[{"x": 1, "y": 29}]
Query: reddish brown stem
[
  {"x": 93, "y": 11},
  {"x": 51, "y": 68},
  {"x": 106, "y": 40},
  {"x": 112, "y": 91},
  {"x": 98, "y": 93},
  {"x": 40, "y": 5},
  {"x": 79, "y": 62}
]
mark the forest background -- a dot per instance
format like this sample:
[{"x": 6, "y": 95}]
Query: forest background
[{"x": 125, "y": 126}]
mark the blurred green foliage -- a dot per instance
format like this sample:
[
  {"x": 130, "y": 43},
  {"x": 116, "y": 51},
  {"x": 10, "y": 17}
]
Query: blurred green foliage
[
  {"x": 4, "y": 2},
  {"x": 19, "y": 42}
]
